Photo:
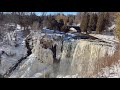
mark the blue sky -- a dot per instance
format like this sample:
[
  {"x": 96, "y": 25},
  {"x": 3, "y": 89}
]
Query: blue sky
[{"x": 66, "y": 13}]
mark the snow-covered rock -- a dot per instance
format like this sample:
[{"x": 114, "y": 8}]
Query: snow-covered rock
[
  {"x": 18, "y": 27},
  {"x": 56, "y": 54},
  {"x": 107, "y": 38},
  {"x": 11, "y": 54},
  {"x": 32, "y": 66},
  {"x": 40, "y": 61},
  {"x": 73, "y": 30}
]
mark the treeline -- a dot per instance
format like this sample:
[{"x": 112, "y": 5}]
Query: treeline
[
  {"x": 96, "y": 21},
  {"x": 88, "y": 21},
  {"x": 30, "y": 19}
]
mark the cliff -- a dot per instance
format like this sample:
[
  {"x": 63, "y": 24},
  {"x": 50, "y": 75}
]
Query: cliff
[
  {"x": 56, "y": 54},
  {"x": 52, "y": 57}
]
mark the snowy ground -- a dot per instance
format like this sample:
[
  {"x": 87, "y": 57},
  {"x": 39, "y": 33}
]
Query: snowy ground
[
  {"x": 11, "y": 53},
  {"x": 107, "y": 38}
]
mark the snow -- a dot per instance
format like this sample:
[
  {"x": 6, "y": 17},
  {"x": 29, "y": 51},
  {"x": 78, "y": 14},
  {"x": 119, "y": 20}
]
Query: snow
[
  {"x": 107, "y": 38},
  {"x": 73, "y": 29},
  {"x": 10, "y": 24},
  {"x": 12, "y": 54},
  {"x": 78, "y": 24},
  {"x": 15, "y": 53},
  {"x": 110, "y": 72},
  {"x": 68, "y": 76},
  {"x": 32, "y": 68},
  {"x": 112, "y": 27},
  {"x": 18, "y": 27},
  {"x": 37, "y": 75}
]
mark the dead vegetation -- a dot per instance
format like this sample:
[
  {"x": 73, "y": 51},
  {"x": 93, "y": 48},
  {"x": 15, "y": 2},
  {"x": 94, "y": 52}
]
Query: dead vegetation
[
  {"x": 46, "y": 43},
  {"x": 106, "y": 62}
]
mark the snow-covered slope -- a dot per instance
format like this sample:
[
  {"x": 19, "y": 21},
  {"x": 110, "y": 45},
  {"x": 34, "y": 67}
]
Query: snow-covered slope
[{"x": 10, "y": 54}]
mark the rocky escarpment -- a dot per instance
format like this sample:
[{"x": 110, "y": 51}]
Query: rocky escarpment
[
  {"x": 38, "y": 64},
  {"x": 42, "y": 54},
  {"x": 52, "y": 56}
]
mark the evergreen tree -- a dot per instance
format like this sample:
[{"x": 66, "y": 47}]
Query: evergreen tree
[
  {"x": 107, "y": 21},
  {"x": 60, "y": 24},
  {"x": 70, "y": 22},
  {"x": 92, "y": 23},
  {"x": 104, "y": 21},
  {"x": 64, "y": 29},
  {"x": 84, "y": 23},
  {"x": 100, "y": 23},
  {"x": 52, "y": 23}
]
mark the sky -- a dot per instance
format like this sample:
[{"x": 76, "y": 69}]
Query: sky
[{"x": 66, "y": 13}]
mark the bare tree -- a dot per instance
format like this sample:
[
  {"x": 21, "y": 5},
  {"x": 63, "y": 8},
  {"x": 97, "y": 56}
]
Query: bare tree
[
  {"x": 43, "y": 13},
  {"x": 78, "y": 18},
  {"x": 35, "y": 25},
  {"x": 43, "y": 16}
]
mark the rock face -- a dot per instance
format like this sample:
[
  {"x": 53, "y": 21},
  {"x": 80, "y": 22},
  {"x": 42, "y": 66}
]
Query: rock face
[
  {"x": 38, "y": 64},
  {"x": 52, "y": 56},
  {"x": 30, "y": 67}
]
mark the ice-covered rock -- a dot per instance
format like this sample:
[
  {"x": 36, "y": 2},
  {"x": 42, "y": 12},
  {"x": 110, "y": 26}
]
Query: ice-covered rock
[
  {"x": 54, "y": 55},
  {"x": 11, "y": 54},
  {"x": 40, "y": 61},
  {"x": 30, "y": 67},
  {"x": 73, "y": 30},
  {"x": 83, "y": 56}
]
